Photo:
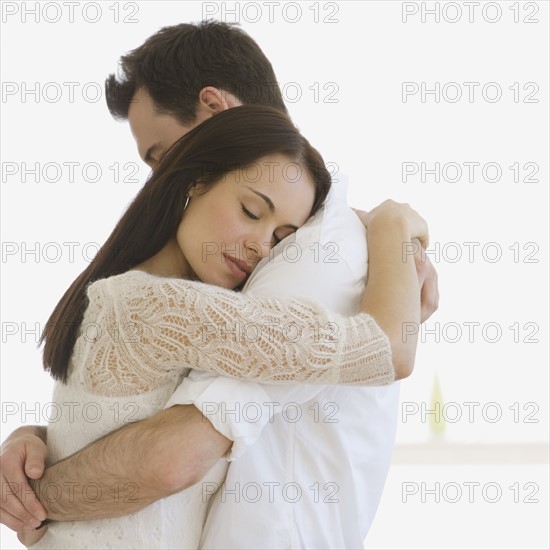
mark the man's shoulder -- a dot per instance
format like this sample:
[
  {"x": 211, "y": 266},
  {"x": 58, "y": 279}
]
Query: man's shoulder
[{"x": 326, "y": 259}]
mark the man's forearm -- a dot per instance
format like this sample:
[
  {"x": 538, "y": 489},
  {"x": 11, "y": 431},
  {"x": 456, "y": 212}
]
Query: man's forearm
[{"x": 132, "y": 467}]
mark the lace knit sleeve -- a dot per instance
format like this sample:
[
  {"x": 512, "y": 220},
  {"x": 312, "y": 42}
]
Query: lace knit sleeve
[{"x": 264, "y": 339}]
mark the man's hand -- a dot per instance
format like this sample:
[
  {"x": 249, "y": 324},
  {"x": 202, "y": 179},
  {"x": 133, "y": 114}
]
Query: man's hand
[
  {"x": 22, "y": 455},
  {"x": 28, "y": 539},
  {"x": 427, "y": 280}
]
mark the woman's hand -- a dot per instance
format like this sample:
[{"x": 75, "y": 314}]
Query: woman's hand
[
  {"x": 391, "y": 213},
  {"x": 401, "y": 289},
  {"x": 427, "y": 275}
]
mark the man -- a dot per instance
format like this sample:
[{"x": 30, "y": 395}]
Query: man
[{"x": 203, "y": 70}]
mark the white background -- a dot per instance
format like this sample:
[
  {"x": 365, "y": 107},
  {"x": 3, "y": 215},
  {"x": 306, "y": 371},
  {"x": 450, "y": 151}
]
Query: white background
[{"x": 362, "y": 53}]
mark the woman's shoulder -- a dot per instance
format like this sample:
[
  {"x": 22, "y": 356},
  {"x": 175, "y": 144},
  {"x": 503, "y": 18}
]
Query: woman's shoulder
[{"x": 140, "y": 283}]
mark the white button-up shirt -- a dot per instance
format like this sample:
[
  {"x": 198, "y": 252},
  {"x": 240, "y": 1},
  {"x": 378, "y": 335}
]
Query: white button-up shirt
[{"x": 309, "y": 462}]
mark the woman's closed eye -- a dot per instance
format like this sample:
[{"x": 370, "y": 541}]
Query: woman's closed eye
[
  {"x": 248, "y": 213},
  {"x": 252, "y": 216}
]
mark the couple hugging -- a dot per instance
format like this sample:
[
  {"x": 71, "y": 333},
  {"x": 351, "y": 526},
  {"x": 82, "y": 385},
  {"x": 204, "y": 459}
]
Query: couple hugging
[{"x": 263, "y": 391}]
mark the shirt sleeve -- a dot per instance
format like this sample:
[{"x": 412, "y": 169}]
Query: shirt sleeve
[
  {"x": 266, "y": 339},
  {"x": 332, "y": 267},
  {"x": 239, "y": 410}
]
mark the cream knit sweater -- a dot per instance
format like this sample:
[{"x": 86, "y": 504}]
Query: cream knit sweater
[{"x": 140, "y": 336}]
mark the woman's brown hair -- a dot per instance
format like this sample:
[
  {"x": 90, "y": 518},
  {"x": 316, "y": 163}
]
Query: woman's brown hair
[{"x": 228, "y": 141}]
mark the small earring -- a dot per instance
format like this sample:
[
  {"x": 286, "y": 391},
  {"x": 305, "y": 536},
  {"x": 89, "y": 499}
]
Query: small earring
[{"x": 186, "y": 202}]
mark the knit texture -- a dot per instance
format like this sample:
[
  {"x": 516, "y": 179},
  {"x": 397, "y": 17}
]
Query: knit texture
[
  {"x": 140, "y": 330},
  {"x": 139, "y": 337}
]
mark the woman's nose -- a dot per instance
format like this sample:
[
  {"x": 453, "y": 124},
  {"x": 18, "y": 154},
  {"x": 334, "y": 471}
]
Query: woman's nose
[{"x": 258, "y": 247}]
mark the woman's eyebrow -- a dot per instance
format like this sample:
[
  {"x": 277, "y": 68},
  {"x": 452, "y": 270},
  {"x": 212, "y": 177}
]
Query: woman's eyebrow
[
  {"x": 271, "y": 206},
  {"x": 268, "y": 201}
]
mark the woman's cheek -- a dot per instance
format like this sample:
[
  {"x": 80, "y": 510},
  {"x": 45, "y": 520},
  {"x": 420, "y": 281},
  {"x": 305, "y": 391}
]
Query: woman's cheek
[{"x": 228, "y": 227}]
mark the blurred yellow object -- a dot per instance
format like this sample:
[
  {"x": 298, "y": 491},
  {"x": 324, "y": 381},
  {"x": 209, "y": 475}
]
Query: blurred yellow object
[{"x": 437, "y": 421}]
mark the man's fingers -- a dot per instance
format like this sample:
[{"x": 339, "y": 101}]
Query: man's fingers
[
  {"x": 436, "y": 296},
  {"x": 429, "y": 296},
  {"x": 19, "y": 507},
  {"x": 19, "y": 501},
  {"x": 424, "y": 308},
  {"x": 35, "y": 463},
  {"x": 36, "y": 460},
  {"x": 30, "y": 538},
  {"x": 11, "y": 522},
  {"x": 362, "y": 215},
  {"x": 31, "y": 502}
]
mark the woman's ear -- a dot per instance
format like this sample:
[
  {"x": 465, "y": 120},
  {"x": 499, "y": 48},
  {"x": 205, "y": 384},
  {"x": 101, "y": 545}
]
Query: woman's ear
[{"x": 196, "y": 188}]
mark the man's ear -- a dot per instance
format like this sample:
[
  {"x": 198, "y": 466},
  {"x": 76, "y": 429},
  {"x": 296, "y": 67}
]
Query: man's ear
[{"x": 213, "y": 101}]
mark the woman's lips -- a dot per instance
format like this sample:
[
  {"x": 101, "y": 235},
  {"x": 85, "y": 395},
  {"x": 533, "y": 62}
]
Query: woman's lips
[{"x": 238, "y": 267}]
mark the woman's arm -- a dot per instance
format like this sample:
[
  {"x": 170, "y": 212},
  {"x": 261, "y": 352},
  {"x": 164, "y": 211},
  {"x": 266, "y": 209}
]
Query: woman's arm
[
  {"x": 392, "y": 295},
  {"x": 131, "y": 447},
  {"x": 164, "y": 323},
  {"x": 167, "y": 323}
]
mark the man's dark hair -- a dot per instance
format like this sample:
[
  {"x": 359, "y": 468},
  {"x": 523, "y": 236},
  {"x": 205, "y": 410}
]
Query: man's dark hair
[{"x": 174, "y": 64}]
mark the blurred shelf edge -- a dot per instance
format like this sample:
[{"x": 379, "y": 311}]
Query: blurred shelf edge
[{"x": 436, "y": 452}]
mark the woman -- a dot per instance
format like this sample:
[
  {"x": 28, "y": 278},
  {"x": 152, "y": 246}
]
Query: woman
[{"x": 223, "y": 196}]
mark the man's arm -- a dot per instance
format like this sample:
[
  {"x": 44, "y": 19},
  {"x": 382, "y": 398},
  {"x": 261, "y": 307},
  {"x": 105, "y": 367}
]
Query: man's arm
[
  {"x": 132, "y": 467},
  {"x": 129, "y": 468},
  {"x": 112, "y": 459}
]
